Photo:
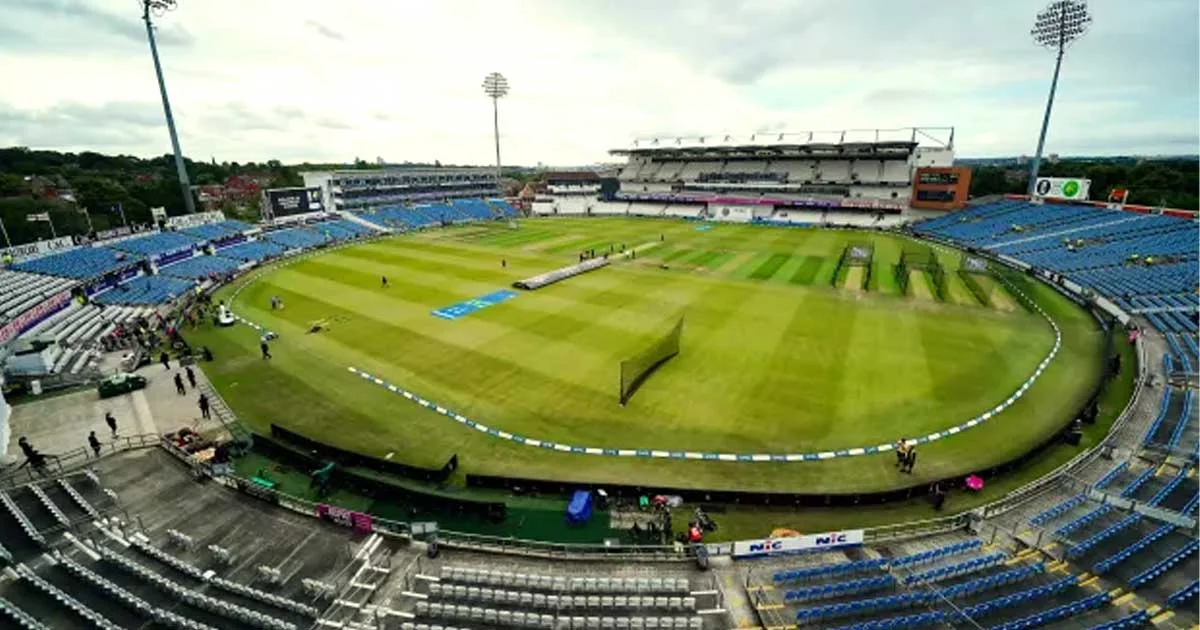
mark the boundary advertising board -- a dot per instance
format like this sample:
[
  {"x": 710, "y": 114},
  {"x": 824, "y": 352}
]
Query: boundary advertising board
[
  {"x": 1062, "y": 188},
  {"x": 794, "y": 544}
]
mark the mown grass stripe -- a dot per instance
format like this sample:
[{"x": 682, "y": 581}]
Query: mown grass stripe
[{"x": 768, "y": 268}]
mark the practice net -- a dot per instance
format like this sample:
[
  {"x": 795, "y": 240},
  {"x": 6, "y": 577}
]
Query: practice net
[{"x": 636, "y": 369}]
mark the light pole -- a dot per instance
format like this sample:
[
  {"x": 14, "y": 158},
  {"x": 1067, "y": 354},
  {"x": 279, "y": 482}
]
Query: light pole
[
  {"x": 496, "y": 87},
  {"x": 1055, "y": 27},
  {"x": 154, "y": 8}
]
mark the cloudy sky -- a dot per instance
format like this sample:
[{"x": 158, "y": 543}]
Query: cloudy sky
[{"x": 331, "y": 81}]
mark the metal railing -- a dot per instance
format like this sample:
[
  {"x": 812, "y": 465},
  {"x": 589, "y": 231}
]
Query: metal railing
[
  {"x": 70, "y": 461},
  {"x": 1052, "y": 481}
]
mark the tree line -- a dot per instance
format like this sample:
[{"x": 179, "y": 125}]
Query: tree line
[
  {"x": 1167, "y": 183},
  {"x": 99, "y": 182}
]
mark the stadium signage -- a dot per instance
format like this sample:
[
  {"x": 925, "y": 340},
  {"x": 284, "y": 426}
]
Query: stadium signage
[
  {"x": 767, "y": 546},
  {"x": 39, "y": 249},
  {"x": 27, "y": 319},
  {"x": 1062, "y": 188},
  {"x": 357, "y": 521},
  {"x": 281, "y": 202},
  {"x": 192, "y": 220}
]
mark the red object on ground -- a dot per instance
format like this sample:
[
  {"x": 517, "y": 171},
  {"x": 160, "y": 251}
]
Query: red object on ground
[{"x": 975, "y": 482}]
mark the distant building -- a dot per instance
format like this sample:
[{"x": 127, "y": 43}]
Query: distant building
[{"x": 362, "y": 189}]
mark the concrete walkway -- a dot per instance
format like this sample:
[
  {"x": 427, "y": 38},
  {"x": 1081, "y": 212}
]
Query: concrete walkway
[{"x": 59, "y": 424}]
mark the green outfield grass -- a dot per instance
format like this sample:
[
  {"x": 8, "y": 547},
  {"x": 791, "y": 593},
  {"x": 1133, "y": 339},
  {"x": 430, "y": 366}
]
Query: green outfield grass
[{"x": 773, "y": 359}]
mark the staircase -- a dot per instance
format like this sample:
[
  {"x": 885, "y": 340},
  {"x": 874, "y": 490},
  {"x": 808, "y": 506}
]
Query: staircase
[{"x": 353, "y": 608}]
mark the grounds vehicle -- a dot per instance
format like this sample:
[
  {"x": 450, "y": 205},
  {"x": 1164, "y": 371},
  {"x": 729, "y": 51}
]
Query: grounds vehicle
[{"x": 120, "y": 383}]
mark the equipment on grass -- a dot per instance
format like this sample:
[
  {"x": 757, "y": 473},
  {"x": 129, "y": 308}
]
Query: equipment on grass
[
  {"x": 223, "y": 316},
  {"x": 921, "y": 259},
  {"x": 636, "y": 369},
  {"x": 855, "y": 254}
]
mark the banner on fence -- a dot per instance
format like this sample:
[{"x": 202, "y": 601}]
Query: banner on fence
[
  {"x": 33, "y": 316},
  {"x": 38, "y": 249},
  {"x": 357, "y": 521},
  {"x": 768, "y": 546},
  {"x": 192, "y": 220}
]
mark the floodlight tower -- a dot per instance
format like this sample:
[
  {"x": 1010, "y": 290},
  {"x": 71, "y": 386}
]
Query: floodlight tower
[
  {"x": 1055, "y": 27},
  {"x": 155, "y": 8},
  {"x": 496, "y": 87}
]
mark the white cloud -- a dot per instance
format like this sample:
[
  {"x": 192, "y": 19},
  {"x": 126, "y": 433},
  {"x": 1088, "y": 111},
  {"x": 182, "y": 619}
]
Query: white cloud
[{"x": 304, "y": 79}]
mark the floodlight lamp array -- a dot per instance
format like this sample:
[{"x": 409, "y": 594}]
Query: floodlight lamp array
[
  {"x": 1061, "y": 23},
  {"x": 495, "y": 85},
  {"x": 159, "y": 7}
]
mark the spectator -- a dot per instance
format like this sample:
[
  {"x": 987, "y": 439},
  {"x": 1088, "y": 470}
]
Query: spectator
[
  {"x": 179, "y": 388},
  {"x": 191, "y": 376},
  {"x": 203, "y": 403},
  {"x": 94, "y": 442}
]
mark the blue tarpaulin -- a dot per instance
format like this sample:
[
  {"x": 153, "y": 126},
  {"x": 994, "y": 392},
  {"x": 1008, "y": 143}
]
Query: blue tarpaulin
[{"x": 579, "y": 510}]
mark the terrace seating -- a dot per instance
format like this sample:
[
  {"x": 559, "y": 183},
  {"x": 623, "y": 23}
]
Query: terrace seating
[
  {"x": 907, "y": 599},
  {"x": 543, "y": 601},
  {"x": 297, "y": 238},
  {"x": 1140, "y": 261},
  {"x": 216, "y": 231},
  {"x": 154, "y": 244},
  {"x": 127, "y": 599},
  {"x": 145, "y": 290},
  {"x": 199, "y": 600},
  {"x": 1107, "y": 564},
  {"x": 1054, "y": 614},
  {"x": 875, "y": 564},
  {"x": 1078, "y": 549},
  {"x": 252, "y": 251},
  {"x": 473, "y": 209},
  {"x": 1166, "y": 564},
  {"x": 200, "y": 267},
  {"x": 564, "y": 584},
  {"x": 1057, "y": 510},
  {"x": 478, "y": 615},
  {"x": 81, "y": 263},
  {"x": 21, "y": 519},
  {"x": 503, "y": 206},
  {"x": 19, "y": 617},
  {"x": 837, "y": 589},
  {"x": 341, "y": 229},
  {"x": 1136, "y": 620},
  {"x": 1111, "y": 475},
  {"x": 227, "y": 585},
  {"x": 20, "y": 292},
  {"x": 1185, "y": 594},
  {"x": 78, "y": 498},
  {"x": 97, "y": 620}
]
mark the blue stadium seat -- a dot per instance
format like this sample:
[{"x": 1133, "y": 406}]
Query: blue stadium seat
[{"x": 81, "y": 263}]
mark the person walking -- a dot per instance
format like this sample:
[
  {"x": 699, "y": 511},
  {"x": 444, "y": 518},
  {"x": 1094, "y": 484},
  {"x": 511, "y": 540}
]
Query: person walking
[
  {"x": 503, "y": 263},
  {"x": 111, "y": 422},
  {"x": 94, "y": 442},
  {"x": 166, "y": 360},
  {"x": 910, "y": 460},
  {"x": 191, "y": 376},
  {"x": 266, "y": 349},
  {"x": 203, "y": 403},
  {"x": 179, "y": 388},
  {"x": 384, "y": 283},
  {"x": 901, "y": 452}
]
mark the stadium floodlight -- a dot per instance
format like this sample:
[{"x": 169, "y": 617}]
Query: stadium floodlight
[
  {"x": 496, "y": 87},
  {"x": 1056, "y": 27},
  {"x": 152, "y": 9}
]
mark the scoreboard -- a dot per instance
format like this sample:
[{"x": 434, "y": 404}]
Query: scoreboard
[
  {"x": 283, "y": 202},
  {"x": 941, "y": 187}
]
